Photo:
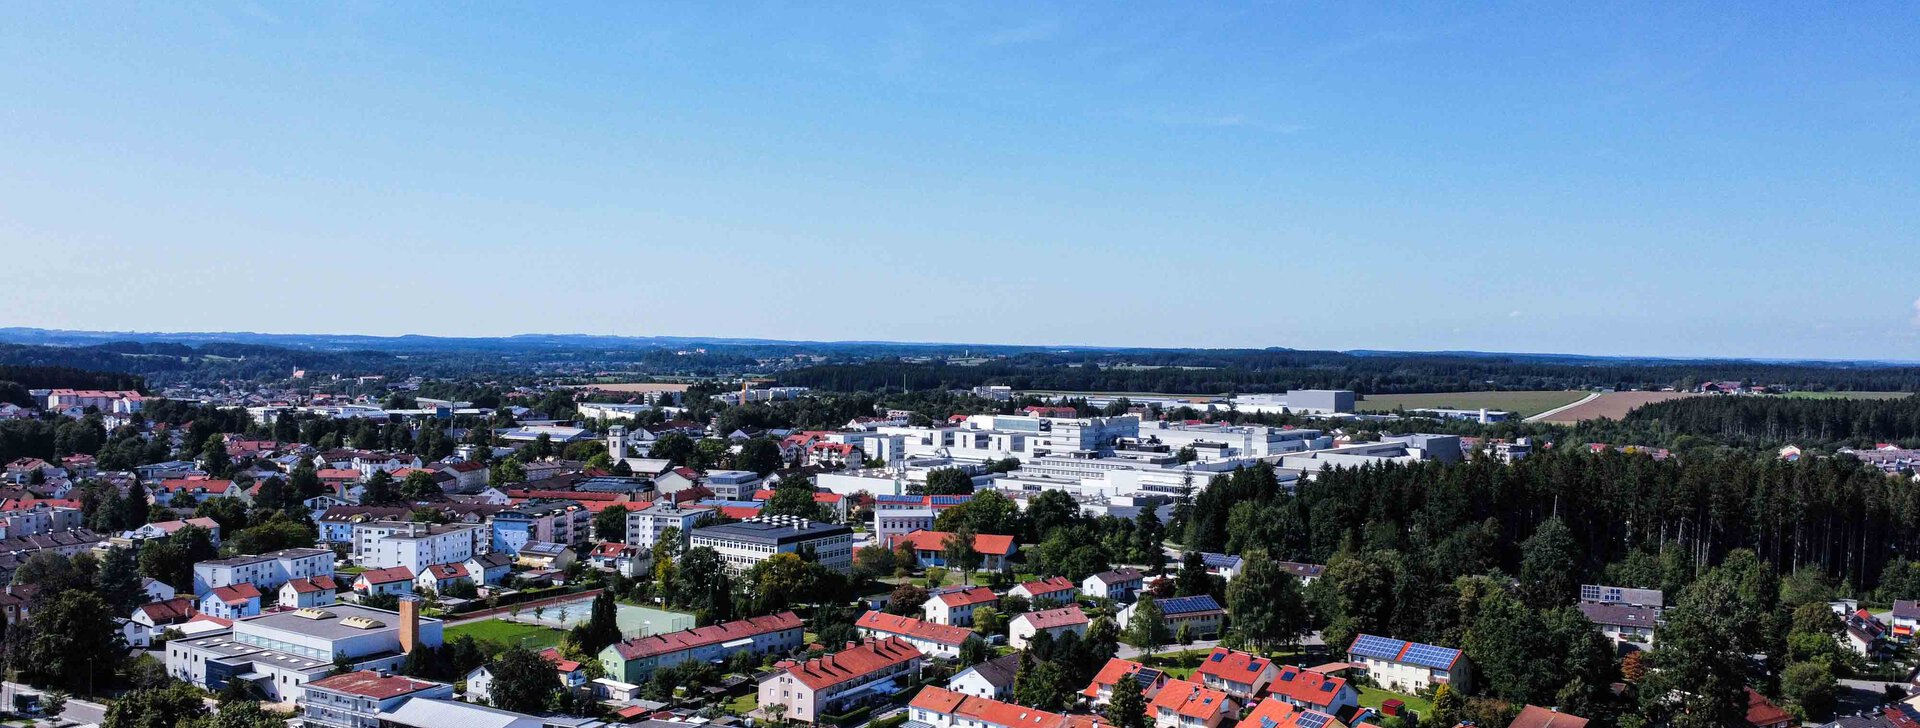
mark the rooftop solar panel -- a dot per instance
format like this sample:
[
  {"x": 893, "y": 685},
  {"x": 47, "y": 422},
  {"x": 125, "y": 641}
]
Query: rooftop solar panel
[
  {"x": 1313, "y": 719},
  {"x": 1384, "y": 648},
  {"x": 1184, "y": 605},
  {"x": 1430, "y": 656}
]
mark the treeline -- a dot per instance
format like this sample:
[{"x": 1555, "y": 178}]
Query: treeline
[
  {"x": 1769, "y": 421},
  {"x": 1833, "y": 515},
  {"x": 1233, "y": 371},
  {"x": 15, "y": 380}
]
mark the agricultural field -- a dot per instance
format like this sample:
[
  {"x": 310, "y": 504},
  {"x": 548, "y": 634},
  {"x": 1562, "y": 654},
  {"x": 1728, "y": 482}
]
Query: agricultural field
[
  {"x": 1849, "y": 395},
  {"x": 1612, "y": 405},
  {"x": 1521, "y": 403},
  {"x": 507, "y": 633}
]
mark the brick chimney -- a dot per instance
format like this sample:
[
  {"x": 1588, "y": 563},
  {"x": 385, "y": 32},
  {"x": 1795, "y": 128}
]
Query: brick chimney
[{"x": 409, "y": 624}]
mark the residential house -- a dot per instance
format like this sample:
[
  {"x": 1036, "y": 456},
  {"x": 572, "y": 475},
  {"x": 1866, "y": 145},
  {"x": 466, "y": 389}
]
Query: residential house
[
  {"x": 570, "y": 674},
  {"x": 1623, "y": 622},
  {"x": 1051, "y": 590},
  {"x": 191, "y": 490},
  {"x": 1119, "y": 585},
  {"x": 232, "y": 601},
  {"x": 545, "y": 555},
  {"x": 1906, "y": 618},
  {"x": 1762, "y": 713},
  {"x": 635, "y": 660},
  {"x": 1308, "y": 689},
  {"x": 311, "y": 591},
  {"x": 490, "y": 568},
  {"x": 991, "y": 679},
  {"x": 1534, "y": 716},
  {"x": 862, "y": 674},
  {"x": 153, "y": 619},
  {"x": 930, "y": 548},
  {"x": 1184, "y": 704},
  {"x": 935, "y": 640},
  {"x": 936, "y": 707},
  {"x": 1306, "y": 573},
  {"x": 619, "y": 558},
  {"x": 391, "y": 580},
  {"x": 1241, "y": 675},
  {"x": 1409, "y": 667},
  {"x": 1276, "y": 713},
  {"x": 163, "y": 529},
  {"x": 1200, "y": 615},
  {"x": 438, "y": 577},
  {"x": 956, "y": 607},
  {"x": 1053, "y": 622},
  {"x": 155, "y": 589},
  {"x": 1100, "y": 691}
]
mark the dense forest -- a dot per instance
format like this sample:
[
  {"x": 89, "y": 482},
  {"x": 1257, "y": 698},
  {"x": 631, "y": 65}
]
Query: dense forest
[
  {"x": 1238, "y": 371},
  {"x": 1771, "y": 421}
]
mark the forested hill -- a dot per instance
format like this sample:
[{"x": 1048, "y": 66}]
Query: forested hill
[
  {"x": 1231, "y": 371},
  {"x": 16, "y": 380},
  {"x": 1772, "y": 421}
]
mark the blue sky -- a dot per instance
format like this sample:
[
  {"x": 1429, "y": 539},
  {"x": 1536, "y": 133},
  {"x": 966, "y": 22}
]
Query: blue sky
[{"x": 1630, "y": 179}]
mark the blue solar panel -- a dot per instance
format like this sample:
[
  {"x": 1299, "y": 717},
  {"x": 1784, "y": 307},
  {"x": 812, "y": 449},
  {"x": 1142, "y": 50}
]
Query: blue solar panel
[
  {"x": 1384, "y": 648},
  {"x": 1219, "y": 560},
  {"x": 951, "y": 500},
  {"x": 1187, "y": 605},
  {"x": 1430, "y": 656},
  {"x": 1314, "y": 719},
  {"x": 1216, "y": 657}
]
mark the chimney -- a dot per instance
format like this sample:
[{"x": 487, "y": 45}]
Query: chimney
[{"x": 409, "y": 624}]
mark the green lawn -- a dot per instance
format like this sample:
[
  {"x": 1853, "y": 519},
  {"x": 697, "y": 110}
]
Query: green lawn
[
  {"x": 508, "y": 633},
  {"x": 744, "y": 704},
  {"x": 1373, "y": 697},
  {"x": 1849, "y": 395},
  {"x": 1177, "y": 664},
  {"x": 1521, "y": 403}
]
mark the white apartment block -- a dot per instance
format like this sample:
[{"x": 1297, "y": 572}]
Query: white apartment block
[
  {"x": 749, "y": 542},
  {"x": 386, "y": 544},
  {"x": 267, "y": 571}
]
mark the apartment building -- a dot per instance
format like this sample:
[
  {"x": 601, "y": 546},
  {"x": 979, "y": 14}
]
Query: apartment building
[
  {"x": 356, "y": 699},
  {"x": 266, "y": 571},
  {"x": 635, "y": 660},
  {"x": 385, "y": 544},
  {"x": 862, "y": 674},
  {"x": 645, "y": 525},
  {"x": 749, "y": 542}
]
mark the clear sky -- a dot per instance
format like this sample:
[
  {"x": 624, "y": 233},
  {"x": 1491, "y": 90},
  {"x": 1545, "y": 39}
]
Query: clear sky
[{"x": 1627, "y": 179}]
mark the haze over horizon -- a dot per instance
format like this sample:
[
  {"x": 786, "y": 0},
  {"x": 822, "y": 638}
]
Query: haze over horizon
[{"x": 1638, "y": 180}]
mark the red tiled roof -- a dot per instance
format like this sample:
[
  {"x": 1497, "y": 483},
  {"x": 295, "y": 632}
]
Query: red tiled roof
[
  {"x": 236, "y": 594},
  {"x": 937, "y": 699},
  {"x": 1281, "y": 714},
  {"x": 447, "y": 571},
  {"x": 864, "y": 659},
  {"x": 387, "y": 575},
  {"x": 1111, "y": 673},
  {"x": 740, "y": 512},
  {"x": 572, "y": 495},
  {"x": 188, "y": 484},
  {"x": 895, "y": 624},
  {"x": 1055, "y": 618},
  {"x": 1304, "y": 686},
  {"x": 559, "y": 663},
  {"x": 976, "y": 595},
  {"x": 1762, "y": 712},
  {"x": 310, "y": 584},
  {"x": 985, "y": 543},
  {"x": 337, "y": 474},
  {"x": 1534, "y": 716},
  {"x": 371, "y": 684},
  {"x": 661, "y": 644},
  {"x": 177, "y": 609},
  {"x": 1049, "y": 585},
  {"x": 1234, "y": 665},
  {"x": 1191, "y": 700}
]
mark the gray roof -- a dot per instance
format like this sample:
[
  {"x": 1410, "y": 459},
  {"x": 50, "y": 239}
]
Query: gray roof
[
  {"x": 1906, "y": 609},
  {"x": 998, "y": 671},
  {"x": 438, "y": 713},
  {"x": 331, "y": 628},
  {"x": 773, "y": 530},
  {"x": 1620, "y": 615}
]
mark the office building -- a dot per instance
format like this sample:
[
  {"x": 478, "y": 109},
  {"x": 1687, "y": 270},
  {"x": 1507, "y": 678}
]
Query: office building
[{"x": 749, "y": 542}]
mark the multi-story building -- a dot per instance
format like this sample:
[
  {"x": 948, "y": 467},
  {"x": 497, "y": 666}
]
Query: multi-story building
[
  {"x": 383, "y": 544},
  {"x": 1409, "y": 666},
  {"x": 749, "y": 542},
  {"x": 937, "y": 640},
  {"x": 549, "y": 520},
  {"x": 635, "y": 660},
  {"x": 1200, "y": 615},
  {"x": 863, "y": 674},
  {"x": 1308, "y": 689},
  {"x": 645, "y": 525},
  {"x": 956, "y": 607},
  {"x": 1118, "y": 585},
  {"x": 732, "y": 484},
  {"x": 938, "y": 707},
  {"x": 124, "y": 401},
  {"x": 1239, "y": 674},
  {"x": 231, "y": 602},
  {"x": 930, "y": 548},
  {"x": 356, "y": 699},
  {"x": 281, "y": 652},
  {"x": 1099, "y": 692},
  {"x": 266, "y": 572},
  {"x": 1054, "y": 622},
  {"x": 1051, "y": 590},
  {"x": 314, "y": 591}
]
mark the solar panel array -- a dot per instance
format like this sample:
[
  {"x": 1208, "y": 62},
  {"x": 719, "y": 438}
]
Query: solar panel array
[
  {"x": 951, "y": 500},
  {"x": 1385, "y": 648},
  {"x": 1187, "y": 605},
  {"x": 1430, "y": 656},
  {"x": 1314, "y": 719},
  {"x": 1218, "y": 560}
]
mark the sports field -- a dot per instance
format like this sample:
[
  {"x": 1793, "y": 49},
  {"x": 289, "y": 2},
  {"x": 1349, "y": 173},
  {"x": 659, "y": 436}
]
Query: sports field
[
  {"x": 507, "y": 633},
  {"x": 1521, "y": 403}
]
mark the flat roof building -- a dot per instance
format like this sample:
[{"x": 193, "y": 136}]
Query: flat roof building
[{"x": 749, "y": 542}]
